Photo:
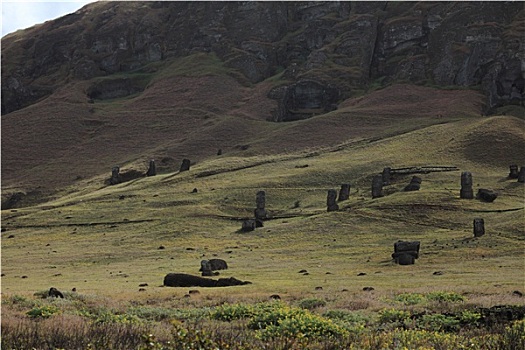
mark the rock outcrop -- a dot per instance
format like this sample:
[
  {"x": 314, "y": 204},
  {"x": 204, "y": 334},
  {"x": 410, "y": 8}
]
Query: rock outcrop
[{"x": 324, "y": 50}]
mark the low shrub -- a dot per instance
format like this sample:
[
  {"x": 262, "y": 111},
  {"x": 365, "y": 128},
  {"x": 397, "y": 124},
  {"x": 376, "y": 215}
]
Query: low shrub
[
  {"x": 393, "y": 316},
  {"x": 445, "y": 297},
  {"x": 45, "y": 311},
  {"x": 311, "y": 303}
]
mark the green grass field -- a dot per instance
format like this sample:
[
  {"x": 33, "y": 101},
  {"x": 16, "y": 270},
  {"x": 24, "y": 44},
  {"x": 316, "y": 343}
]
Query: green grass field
[{"x": 105, "y": 241}]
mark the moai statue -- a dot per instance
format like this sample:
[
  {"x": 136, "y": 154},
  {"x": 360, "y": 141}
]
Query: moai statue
[
  {"x": 260, "y": 212},
  {"x": 206, "y": 268},
  {"x": 513, "y": 174},
  {"x": 521, "y": 175},
  {"x": 479, "y": 227},
  {"x": 386, "y": 175},
  {"x": 466, "y": 186},
  {"x": 115, "y": 176},
  {"x": 414, "y": 185},
  {"x": 331, "y": 200},
  {"x": 406, "y": 252},
  {"x": 344, "y": 192},
  {"x": 152, "y": 171},
  {"x": 185, "y": 166},
  {"x": 377, "y": 186}
]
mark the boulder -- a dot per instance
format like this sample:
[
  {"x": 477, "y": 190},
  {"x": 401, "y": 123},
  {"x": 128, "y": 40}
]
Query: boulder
[
  {"x": 248, "y": 225},
  {"x": 486, "y": 195},
  {"x": 55, "y": 293},
  {"x": 214, "y": 264},
  {"x": 414, "y": 185}
]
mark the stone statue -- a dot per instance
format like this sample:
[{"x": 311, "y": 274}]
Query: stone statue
[
  {"x": 344, "y": 192},
  {"x": 479, "y": 227},
  {"x": 331, "y": 200},
  {"x": 377, "y": 186},
  {"x": 151, "y": 170},
  {"x": 466, "y": 186}
]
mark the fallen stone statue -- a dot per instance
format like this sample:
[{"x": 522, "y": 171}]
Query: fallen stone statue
[{"x": 186, "y": 280}]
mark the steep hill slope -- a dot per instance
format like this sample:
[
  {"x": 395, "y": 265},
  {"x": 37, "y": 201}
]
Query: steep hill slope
[{"x": 120, "y": 83}]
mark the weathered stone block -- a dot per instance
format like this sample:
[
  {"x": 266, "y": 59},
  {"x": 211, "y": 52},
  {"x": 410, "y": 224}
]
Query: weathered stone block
[
  {"x": 486, "y": 195},
  {"x": 248, "y": 225}
]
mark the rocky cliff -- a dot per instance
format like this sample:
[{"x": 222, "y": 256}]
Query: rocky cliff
[{"x": 320, "y": 52}]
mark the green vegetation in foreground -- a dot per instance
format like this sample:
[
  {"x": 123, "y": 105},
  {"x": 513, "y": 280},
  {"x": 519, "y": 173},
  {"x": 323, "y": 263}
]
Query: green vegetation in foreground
[
  {"x": 107, "y": 241},
  {"x": 86, "y": 322}
]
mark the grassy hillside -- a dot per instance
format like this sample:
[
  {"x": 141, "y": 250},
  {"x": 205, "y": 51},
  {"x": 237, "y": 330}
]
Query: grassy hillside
[
  {"x": 114, "y": 244},
  {"x": 106, "y": 239}
]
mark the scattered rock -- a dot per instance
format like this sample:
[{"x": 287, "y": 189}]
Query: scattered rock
[
  {"x": 275, "y": 297},
  {"x": 517, "y": 293},
  {"x": 318, "y": 288},
  {"x": 361, "y": 274},
  {"x": 248, "y": 225},
  {"x": 438, "y": 273},
  {"x": 486, "y": 195},
  {"x": 143, "y": 285},
  {"x": 161, "y": 247},
  {"x": 368, "y": 289},
  {"x": 194, "y": 291},
  {"x": 414, "y": 185}
]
